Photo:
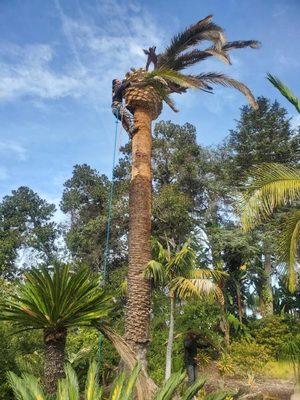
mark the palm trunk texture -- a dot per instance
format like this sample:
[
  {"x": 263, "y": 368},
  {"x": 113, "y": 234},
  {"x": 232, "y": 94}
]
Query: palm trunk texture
[
  {"x": 138, "y": 301},
  {"x": 266, "y": 300},
  {"x": 54, "y": 357},
  {"x": 170, "y": 340}
]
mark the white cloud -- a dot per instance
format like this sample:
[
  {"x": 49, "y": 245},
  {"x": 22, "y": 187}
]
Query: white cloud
[
  {"x": 97, "y": 53},
  {"x": 15, "y": 148}
]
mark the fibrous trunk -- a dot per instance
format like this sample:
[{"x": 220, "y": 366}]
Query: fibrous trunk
[
  {"x": 138, "y": 302},
  {"x": 266, "y": 301},
  {"x": 170, "y": 340},
  {"x": 54, "y": 357}
]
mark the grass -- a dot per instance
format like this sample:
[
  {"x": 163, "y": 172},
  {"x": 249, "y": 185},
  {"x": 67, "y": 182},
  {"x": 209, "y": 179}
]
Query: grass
[{"x": 278, "y": 370}]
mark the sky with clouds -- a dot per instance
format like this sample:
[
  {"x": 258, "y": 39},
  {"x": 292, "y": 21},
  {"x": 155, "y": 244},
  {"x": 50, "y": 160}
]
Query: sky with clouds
[{"x": 58, "y": 57}]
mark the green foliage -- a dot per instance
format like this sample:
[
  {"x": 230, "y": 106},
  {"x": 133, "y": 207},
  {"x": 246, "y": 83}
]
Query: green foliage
[
  {"x": 285, "y": 91},
  {"x": 273, "y": 332},
  {"x": 57, "y": 298},
  {"x": 248, "y": 357}
]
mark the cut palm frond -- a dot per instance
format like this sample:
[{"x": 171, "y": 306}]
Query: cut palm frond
[
  {"x": 240, "y": 44},
  {"x": 285, "y": 91}
]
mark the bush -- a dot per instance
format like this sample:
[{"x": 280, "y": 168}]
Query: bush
[{"x": 249, "y": 357}]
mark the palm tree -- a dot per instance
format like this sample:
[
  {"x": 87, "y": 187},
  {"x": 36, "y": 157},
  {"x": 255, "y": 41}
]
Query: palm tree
[
  {"x": 55, "y": 300},
  {"x": 27, "y": 387},
  {"x": 175, "y": 272},
  {"x": 285, "y": 91},
  {"x": 272, "y": 186},
  {"x": 290, "y": 352},
  {"x": 144, "y": 98}
]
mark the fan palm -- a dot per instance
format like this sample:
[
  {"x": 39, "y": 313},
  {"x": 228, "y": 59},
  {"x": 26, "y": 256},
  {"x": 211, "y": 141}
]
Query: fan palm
[
  {"x": 144, "y": 98},
  {"x": 272, "y": 186},
  {"x": 55, "y": 300},
  {"x": 27, "y": 387},
  {"x": 285, "y": 91},
  {"x": 176, "y": 272}
]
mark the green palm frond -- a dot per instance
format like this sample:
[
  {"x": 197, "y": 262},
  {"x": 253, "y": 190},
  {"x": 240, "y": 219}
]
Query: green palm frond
[
  {"x": 272, "y": 185},
  {"x": 92, "y": 389},
  {"x": 192, "y": 390},
  {"x": 26, "y": 387},
  {"x": 289, "y": 240},
  {"x": 156, "y": 272},
  {"x": 203, "y": 30},
  {"x": 166, "y": 392},
  {"x": 124, "y": 385},
  {"x": 211, "y": 78},
  {"x": 205, "y": 273},
  {"x": 182, "y": 261},
  {"x": 56, "y": 298},
  {"x": 285, "y": 91}
]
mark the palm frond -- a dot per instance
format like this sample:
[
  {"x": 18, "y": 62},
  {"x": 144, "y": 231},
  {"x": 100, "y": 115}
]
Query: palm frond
[
  {"x": 92, "y": 389},
  {"x": 168, "y": 389},
  {"x": 288, "y": 248},
  {"x": 221, "y": 79},
  {"x": 26, "y": 387},
  {"x": 205, "y": 273},
  {"x": 186, "y": 288},
  {"x": 272, "y": 185},
  {"x": 285, "y": 91},
  {"x": 240, "y": 44},
  {"x": 56, "y": 298},
  {"x": 156, "y": 272},
  {"x": 192, "y": 390},
  {"x": 192, "y": 36}
]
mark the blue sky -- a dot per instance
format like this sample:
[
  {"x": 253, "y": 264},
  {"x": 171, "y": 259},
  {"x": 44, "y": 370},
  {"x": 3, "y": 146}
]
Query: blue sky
[{"x": 58, "y": 57}]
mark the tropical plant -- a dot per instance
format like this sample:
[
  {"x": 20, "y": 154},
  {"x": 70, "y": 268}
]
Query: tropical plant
[
  {"x": 274, "y": 185},
  {"x": 55, "y": 300},
  {"x": 144, "y": 98},
  {"x": 285, "y": 91},
  {"x": 290, "y": 351},
  {"x": 27, "y": 387},
  {"x": 174, "y": 270}
]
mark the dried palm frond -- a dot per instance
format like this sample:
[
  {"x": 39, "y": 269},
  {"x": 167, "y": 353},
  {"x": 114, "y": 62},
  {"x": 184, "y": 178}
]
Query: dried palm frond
[
  {"x": 221, "y": 79},
  {"x": 240, "y": 44}
]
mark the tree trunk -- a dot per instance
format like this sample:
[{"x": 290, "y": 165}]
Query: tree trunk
[
  {"x": 266, "y": 300},
  {"x": 138, "y": 302},
  {"x": 239, "y": 303},
  {"x": 170, "y": 340},
  {"x": 54, "y": 357}
]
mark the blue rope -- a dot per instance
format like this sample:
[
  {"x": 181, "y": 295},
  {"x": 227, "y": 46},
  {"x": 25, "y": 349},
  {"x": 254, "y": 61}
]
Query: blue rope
[{"x": 106, "y": 251}]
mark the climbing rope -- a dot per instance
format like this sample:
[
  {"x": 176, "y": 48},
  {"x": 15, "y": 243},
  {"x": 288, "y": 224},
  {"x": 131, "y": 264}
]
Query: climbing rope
[{"x": 110, "y": 201}]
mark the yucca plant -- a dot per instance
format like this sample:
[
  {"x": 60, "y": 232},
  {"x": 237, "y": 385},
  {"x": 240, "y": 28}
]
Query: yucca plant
[
  {"x": 290, "y": 352},
  {"x": 27, "y": 387},
  {"x": 144, "y": 98},
  {"x": 272, "y": 186},
  {"x": 55, "y": 300},
  {"x": 285, "y": 91},
  {"x": 174, "y": 270}
]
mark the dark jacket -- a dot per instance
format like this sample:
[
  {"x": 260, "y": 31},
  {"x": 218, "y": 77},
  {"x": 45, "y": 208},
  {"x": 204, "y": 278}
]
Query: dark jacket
[
  {"x": 118, "y": 90},
  {"x": 191, "y": 346}
]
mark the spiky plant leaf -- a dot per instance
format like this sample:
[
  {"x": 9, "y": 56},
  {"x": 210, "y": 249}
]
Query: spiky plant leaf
[
  {"x": 168, "y": 389},
  {"x": 192, "y": 390},
  {"x": 186, "y": 288},
  {"x": 285, "y": 91},
  {"x": 26, "y": 387},
  {"x": 56, "y": 298},
  {"x": 92, "y": 389},
  {"x": 156, "y": 272}
]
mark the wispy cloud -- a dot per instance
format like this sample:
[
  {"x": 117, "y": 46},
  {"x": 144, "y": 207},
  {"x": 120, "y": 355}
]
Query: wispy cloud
[
  {"x": 13, "y": 148},
  {"x": 40, "y": 71}
]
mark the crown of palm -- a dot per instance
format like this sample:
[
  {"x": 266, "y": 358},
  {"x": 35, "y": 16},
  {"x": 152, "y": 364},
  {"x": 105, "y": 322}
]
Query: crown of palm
[
  {"x": 181, "y": 54},
  {"x": 56, "y": 298}
]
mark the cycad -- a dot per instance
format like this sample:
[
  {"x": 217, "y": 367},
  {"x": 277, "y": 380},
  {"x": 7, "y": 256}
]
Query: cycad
[
  {"x": 54, "y": 300},
  {"x": 175, "y": 270},
  {"x": 272, "y": 186},
  {"x": 27, "y": 387}
]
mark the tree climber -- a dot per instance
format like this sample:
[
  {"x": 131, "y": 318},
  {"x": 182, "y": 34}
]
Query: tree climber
[
  {"x": 191, "y": 346},
  {"x": 152, "y": 57},
  {"x": 118, "y": 109}
]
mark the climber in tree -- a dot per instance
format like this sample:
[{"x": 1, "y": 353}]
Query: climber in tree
[
  {"x": 152, "y": 57},
  {"x": 118, "y": 109}
]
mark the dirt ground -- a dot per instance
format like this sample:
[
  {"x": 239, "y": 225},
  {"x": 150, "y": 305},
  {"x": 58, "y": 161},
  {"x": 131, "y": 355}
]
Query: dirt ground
[{"x": 261, "y": 388}]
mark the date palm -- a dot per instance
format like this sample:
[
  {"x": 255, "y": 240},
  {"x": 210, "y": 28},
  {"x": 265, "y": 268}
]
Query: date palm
[
  {"x": 174, "y": 271},
  {"x": 55, "y": 300},
  {"x": 285, "y": 91},
  {"x": 144, "y": 97},
  {"x": 272, "y": 186}
]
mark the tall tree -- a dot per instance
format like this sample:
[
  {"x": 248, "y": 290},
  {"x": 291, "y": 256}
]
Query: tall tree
[
  {"x": 144, "y": 98},
  {"x": 25, "y": 224},
  {"x": 261, "y": 136}
]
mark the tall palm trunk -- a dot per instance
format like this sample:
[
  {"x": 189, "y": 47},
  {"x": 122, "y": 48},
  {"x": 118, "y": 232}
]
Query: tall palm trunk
[
  {"x": 239, "y": 302},
  {"x": 54, "y": 357},
  {"x": 170, "y": 339},
  {"x": 138, "y": 304}
]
